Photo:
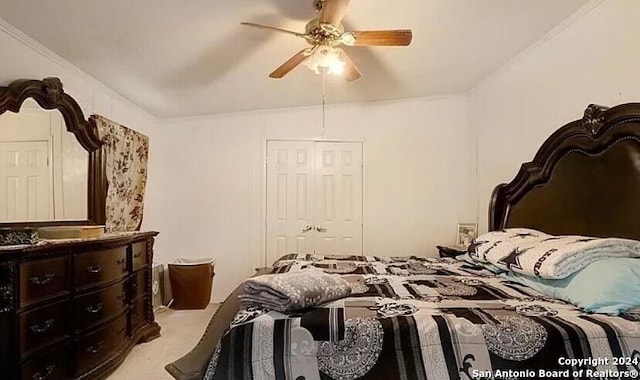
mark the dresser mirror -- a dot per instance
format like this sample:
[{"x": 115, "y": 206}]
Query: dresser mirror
[{"x": 51, "y": 167}]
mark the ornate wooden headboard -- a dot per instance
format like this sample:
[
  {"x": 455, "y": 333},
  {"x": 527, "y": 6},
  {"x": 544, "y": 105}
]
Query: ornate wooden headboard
[{"x": 584, "y": 179}]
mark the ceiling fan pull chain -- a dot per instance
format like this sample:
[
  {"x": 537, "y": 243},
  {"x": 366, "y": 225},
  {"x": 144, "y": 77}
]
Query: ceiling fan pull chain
[{"x": 324, "y": 97}]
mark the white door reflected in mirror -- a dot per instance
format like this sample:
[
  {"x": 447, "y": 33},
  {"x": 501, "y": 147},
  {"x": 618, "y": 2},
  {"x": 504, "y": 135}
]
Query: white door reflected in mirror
[
  {"x": 27, "y": 187},
  {"x": 43, "y": 168}
]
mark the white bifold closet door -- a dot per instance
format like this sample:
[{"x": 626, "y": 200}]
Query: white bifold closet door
[{"x": 314, "y": 198}]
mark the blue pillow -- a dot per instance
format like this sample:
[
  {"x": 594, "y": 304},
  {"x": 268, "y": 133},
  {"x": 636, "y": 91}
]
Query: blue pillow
[{"x": 610, "y": 286}]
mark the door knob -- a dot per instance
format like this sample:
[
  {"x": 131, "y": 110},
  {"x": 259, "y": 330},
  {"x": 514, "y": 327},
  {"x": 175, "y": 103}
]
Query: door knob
[
  {"x": 307, "y": 228},
  {"x": 321, "y": 229}
]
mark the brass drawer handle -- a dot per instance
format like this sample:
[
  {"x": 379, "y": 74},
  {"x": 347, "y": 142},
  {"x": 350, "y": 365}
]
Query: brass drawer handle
[
  {"x": 94, "y": 309},
  {"x": 41, "y": 280},
  {"x": 123, "y": 264},
  {"x": 121, "y": 296},
  {"x": 94, "y": 269},
  {"x": 95, "y": 348},
  {"x": 40, "y": 329},
  {"x": 48, "y": 371},
  {"x": 136, "y": 255}
]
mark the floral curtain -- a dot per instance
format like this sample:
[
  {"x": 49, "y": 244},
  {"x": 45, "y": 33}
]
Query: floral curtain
[{"x": 126, "y": 154}]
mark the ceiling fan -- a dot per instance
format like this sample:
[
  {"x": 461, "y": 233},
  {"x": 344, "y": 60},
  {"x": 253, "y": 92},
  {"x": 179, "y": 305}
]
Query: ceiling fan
[{"x": 325, "y": 34}]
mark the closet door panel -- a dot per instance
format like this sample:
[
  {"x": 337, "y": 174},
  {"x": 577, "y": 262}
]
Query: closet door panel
[
  {"x": 338, "y": 202},
  {"x": 289, "y": 198}
]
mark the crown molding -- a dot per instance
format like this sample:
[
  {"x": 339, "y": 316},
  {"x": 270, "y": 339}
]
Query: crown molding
[
  {"x": 573, "y": 19},
  {"x": 313, "y": 107},
  {"x": 36, "y": 46}
]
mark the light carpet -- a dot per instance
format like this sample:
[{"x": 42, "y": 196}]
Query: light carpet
[{"x": 180, "y": 331}]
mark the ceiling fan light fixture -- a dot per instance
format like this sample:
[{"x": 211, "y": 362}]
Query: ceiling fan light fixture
[
  {"x": 325, "y": 34},
  {"x": 326, "y": 59},
  {"x": 336, "y": 68}
]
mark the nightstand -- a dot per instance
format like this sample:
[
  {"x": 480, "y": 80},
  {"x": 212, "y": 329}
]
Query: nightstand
[{"x": 451, "y": 251}]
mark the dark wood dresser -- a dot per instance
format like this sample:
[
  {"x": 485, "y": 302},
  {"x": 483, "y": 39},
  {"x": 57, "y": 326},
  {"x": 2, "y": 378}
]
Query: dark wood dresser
[{"x": 75, "y": 309}]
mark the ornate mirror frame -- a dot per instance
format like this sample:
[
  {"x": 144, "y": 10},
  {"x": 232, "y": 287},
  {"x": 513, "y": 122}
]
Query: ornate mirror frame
[{"x": 50, "y": 95}]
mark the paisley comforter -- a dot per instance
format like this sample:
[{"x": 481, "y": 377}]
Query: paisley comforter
[{"x": 420, "y": 318}]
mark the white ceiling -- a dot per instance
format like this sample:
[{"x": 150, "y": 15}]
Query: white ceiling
[{"x": 183, "y": 58}]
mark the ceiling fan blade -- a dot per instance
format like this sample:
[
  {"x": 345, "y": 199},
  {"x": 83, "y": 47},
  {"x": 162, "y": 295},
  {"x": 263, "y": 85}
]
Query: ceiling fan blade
[
  {"x": 351, "y": 71},
  {"x": 291, "y": 64},
  {"x": 400, "y": 37},
  {"x": 333, "y": 11},
  {"x": 272, "y": 28}
]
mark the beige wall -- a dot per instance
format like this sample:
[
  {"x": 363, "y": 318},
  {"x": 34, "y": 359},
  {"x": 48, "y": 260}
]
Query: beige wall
[
  {"x": 23, "y": 58},
  {"x": 418, "y": 170},
  {"x": 206, "y": 175},
  {"x": 592, "y": 58}
]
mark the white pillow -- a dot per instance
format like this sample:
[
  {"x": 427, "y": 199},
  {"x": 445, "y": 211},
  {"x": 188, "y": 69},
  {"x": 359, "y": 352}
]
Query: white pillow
[{"x": 536, "y": 254}]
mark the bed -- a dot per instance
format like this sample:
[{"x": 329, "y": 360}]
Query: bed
[{"x": 422, "y": 318}]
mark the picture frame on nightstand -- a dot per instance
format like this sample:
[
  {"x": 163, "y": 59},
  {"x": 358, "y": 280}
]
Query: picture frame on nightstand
[{"x": 465, "y": 234}]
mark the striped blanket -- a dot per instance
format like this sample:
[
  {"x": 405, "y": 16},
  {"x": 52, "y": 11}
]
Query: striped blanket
[{"x": 419, "y": 318}]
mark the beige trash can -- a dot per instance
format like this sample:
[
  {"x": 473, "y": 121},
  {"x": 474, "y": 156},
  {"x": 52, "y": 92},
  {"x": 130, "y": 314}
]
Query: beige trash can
[{"x": 191, "y": 282}]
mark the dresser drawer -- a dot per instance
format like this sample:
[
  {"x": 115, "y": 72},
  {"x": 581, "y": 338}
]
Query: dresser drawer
[
  {"x": 95, "y": 347},
  {"x": 139, "y": 255},
  {"x": 95, "y": 307},
  {"x": 42, "y": 279},
  {"x": 42, "y": 326},
  {"x": 52, "y": 365},
  {"x": 139, "y": 284},
  {"x": 100, "y": 266},
  {"x": 138, "y": 314}
]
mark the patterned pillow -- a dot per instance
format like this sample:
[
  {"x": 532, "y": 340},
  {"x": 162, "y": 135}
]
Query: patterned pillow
[{"x": 536, "y": 254}]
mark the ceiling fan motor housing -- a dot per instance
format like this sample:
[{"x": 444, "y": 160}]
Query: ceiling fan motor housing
[{"x": 317, "y": 33}]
